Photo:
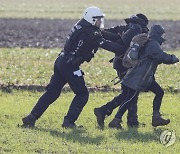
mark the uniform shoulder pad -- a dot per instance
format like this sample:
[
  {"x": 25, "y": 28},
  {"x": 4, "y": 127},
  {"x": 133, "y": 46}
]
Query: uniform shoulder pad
[
  {"x": 78, "y": 27},
  {"x": 95, "y": 34}
]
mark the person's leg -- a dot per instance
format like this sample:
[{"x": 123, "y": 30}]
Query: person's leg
[
  {"x": 130, "y": 95},
  {"x": 132, "y": 117},
  {"x": 52, "y": 93},
  {"x": 107, "y": 109},
  {"x": 159, "y": 93},
  {"x": 77, "y": 84},
  {"x": 157, "y": 120}
]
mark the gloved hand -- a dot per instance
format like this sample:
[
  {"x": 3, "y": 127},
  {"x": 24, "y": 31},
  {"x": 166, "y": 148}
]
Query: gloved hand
[
  {"x": 140, "y": 39},
  {"x": 174, "y": 59},
  {"x": 135, "y": 27}
]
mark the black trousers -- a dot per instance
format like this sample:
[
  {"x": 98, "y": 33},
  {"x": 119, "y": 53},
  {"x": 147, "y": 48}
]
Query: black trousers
[
  {"x": 159, "y": 93},
  {"x": 110, "y": 106},
  {"x": 64, "y": 73},
  {"x": 118, "y": 100},
  {"x": 131, "y": 94}
]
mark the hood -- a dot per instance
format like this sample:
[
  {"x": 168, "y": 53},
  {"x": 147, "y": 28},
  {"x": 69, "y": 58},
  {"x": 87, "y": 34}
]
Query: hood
[{"x": 156, "y": 33}]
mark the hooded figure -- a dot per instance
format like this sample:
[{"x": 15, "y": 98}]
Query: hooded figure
[
  {"x": 151, "y": 56},
  {"x": 141, "y": 77},
  {"x": 136, "y": 24},
  {"x": 139, "y": 19}
]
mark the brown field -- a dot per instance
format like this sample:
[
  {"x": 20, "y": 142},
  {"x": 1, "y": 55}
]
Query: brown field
[{"x": 47, "y": 33}]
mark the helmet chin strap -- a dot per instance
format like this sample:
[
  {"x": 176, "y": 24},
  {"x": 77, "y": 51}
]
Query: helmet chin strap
[{"x": 94, "y": 21}]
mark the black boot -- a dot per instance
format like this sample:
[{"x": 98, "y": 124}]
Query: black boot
[
  {"x": 115, "y": 123},
  {"x": 68, "y": 123},
  {"x": 29, "y": 121},
  {"x": 100, "y": 117},
  {"x": 157, "y": 120}
]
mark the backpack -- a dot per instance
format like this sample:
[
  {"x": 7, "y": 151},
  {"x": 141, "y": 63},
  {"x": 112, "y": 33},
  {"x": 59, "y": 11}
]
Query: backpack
[
  {"x": 132, "y": 55},
  {"x": 130, "y": 58},
  {"x": 122, "y": 64}
]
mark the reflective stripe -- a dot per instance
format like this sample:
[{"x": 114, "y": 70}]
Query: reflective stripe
[
  {"x": 148, "y": 71},
  {"x": 127, "y": 101}
]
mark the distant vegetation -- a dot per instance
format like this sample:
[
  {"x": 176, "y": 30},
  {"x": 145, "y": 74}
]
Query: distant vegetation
[{"x": 70, "y": 9}]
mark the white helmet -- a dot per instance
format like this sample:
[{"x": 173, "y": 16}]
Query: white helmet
[{"x": 91, "y": 14}]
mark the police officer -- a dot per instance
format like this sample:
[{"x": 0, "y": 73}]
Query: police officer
[
  {"x": 141, "y": 77},
  {"x": 106, "y": 110},
  {"x": 82, "y": 43}
]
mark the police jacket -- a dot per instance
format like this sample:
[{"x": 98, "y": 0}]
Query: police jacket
[
  {"x": 120, "y": 29},
  {"x": 124, "y": 31},
  {"x": 84, "y": 40},
  {"x": 141, "y": 76}
]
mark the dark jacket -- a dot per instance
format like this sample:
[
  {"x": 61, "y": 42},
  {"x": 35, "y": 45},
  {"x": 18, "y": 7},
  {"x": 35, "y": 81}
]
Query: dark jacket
[
  {"x": 124, "y": 31},
  {"x": 84, "y": 40},
  {"x": 141, "y": 76},
  {"x": 120, "y": 29},
  {"x": 126, "y": 34}
]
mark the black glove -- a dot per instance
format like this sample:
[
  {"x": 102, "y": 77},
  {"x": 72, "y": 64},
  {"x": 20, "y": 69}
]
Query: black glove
[
  {"x": 174, "y": 59},
  {"x": 135, "y": 27}
]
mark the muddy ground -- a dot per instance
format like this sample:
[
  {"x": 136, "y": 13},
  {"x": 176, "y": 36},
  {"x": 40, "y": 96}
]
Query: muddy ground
[{"x": 47, "y": 33}]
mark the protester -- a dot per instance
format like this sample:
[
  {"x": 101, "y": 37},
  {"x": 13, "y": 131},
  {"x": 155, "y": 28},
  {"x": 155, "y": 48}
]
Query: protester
[
  {"x": 141, "y": 77},
  {"x": 102, "y": 112}
]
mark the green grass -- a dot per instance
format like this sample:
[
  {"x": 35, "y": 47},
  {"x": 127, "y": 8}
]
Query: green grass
[
  {"x": 35, "y": 66},
  {"x": 70, "y": 9},
  {"x": 49, "y": 137}
]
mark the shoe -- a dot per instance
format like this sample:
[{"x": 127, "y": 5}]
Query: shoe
[
  {"x": 115, "y": 123},
  {"x": 157, "y": 120},
  {"x": 100, "y": 117},
  {"x": 29, "y": 121},
  {"x": 68, "y": 124}
]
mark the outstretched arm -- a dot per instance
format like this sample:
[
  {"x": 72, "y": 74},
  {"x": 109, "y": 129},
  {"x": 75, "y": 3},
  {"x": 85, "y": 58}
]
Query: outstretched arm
[{"x": 157, "y": 54}]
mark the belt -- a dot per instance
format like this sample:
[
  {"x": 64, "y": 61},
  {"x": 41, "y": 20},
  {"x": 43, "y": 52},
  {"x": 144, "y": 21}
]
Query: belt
[
  {"x": 66, "y": 54},
  {"x": 71, "y": 58}
]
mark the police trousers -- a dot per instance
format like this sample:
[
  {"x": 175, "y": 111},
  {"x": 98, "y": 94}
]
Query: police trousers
[{"x": 64, "y": 73}]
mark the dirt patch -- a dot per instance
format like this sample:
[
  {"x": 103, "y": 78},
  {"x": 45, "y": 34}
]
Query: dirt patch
[
  {"x": 47, "y": 33},
  {"x": 8, "y": 88}
]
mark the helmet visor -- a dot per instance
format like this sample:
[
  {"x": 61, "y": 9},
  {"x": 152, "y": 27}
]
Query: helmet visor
[{"x": 99, "y": 22}]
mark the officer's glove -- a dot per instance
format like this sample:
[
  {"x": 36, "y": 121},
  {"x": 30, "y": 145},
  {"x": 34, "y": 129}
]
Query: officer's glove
[
  {"x": 135, "y": 27},
  {"x": 174, "y": 59},
  {"x": 139, "y": 39}
]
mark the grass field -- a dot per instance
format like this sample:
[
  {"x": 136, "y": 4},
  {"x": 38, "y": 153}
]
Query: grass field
[
  {"x": 114, "y": 9},
  {"x": 29, "y": 66},
  {"x": 35, "y": 66},
  {"x": 49, "y": 137}
]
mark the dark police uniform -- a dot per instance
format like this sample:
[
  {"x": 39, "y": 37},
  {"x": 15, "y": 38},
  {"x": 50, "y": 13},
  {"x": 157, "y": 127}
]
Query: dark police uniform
[{"x": 81, "y": 45}]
